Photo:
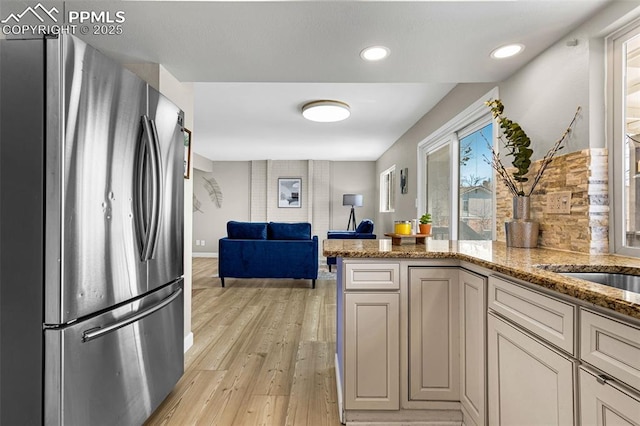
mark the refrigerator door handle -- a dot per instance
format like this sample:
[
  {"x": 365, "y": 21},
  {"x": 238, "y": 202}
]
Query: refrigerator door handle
[
  {"x": 139, "y": 189},
  {"x": 147, "y": 221},
  {"x": 96, "y": 333},
  {"x": 157, "y": 177}
]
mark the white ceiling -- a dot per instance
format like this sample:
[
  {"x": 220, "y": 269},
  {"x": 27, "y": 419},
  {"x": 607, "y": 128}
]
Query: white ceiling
[{"x": 254, "y": 64}]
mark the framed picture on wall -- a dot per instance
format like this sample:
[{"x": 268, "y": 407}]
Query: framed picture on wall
[
  {"x": 404, "y": 174},
  {"x": 187, "y": 152},
  {"x": 289, "y": 192}
]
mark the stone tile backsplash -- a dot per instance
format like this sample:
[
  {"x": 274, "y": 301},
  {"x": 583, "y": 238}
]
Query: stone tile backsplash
[{"x": 586, "y": 229}]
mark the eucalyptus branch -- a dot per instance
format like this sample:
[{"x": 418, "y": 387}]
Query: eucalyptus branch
[
  {"x": 552, "y": 152},
  {"x": 517, "y": 141}
]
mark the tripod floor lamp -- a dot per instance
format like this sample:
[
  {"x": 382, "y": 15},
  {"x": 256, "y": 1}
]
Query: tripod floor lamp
[{"x": 353, "y": 200}]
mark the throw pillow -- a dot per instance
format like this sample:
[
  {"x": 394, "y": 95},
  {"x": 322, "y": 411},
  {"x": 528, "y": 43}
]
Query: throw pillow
[
  {"x": 289, "y": 231},
  {"x": 365, "y": 227},
  {"x": 247, "y": 230}
]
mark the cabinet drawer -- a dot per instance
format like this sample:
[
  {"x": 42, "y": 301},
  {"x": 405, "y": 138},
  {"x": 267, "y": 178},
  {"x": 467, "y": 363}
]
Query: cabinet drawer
[
  {"x": 542, "y": 315},
  {"x": 372, "y": 276},
  {"x": 610, "y": 346}
]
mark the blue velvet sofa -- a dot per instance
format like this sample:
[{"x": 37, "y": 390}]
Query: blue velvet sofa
[
  {"x": 363, "y": 231},
  {"x": 268, "y": 250}
]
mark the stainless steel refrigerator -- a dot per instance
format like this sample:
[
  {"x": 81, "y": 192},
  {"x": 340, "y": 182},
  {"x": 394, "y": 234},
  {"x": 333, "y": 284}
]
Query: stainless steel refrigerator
[{"x": 91, "y": 238}]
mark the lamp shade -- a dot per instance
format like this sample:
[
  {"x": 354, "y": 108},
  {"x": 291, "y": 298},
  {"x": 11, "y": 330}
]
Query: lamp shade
[{"x": 352, "y": 200}]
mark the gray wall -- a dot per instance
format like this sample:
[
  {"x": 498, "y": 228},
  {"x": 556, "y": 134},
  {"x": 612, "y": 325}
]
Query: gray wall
[
  {"x": 249, "y": 193},
  {"x": 314, "y": 192},
  {"x": 542, "y": 96},
  {"x": 353, "y": 177},
  {"x": 209, "y": 220}
]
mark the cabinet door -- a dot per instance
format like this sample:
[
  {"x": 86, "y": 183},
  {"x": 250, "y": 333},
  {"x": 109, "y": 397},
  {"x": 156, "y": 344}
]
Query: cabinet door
[
  {"x": 606, "y": 404},
  {"x": 372, "y": 351},
  {"x": 434, "y": 343},
  {"x": 529, "y": 383},
  {"x": 472, "y": 345}
]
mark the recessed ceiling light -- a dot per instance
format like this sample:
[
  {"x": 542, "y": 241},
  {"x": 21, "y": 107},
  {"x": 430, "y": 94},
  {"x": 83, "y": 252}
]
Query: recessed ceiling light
[
  {"x": 326, "y": 111},
  {"x": 507, "y": 51},
  {"x": 375, "y": 53}
]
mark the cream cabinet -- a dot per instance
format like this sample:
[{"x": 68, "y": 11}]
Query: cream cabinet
[
  {"x": 610, "y": 346},
  {"x": 372, "y": 359},
  {"x": 544, "y": 316},
  {"x": 533, "y": 355},
  {"x": 401, "y": 341},
  {"x": 434, "y": 343},
  {"x": 445, "y": 342},
  {"x": 610, "y": 378},
  {"x": 606, "y": 403},
  {"x": 371, "y": 335},
  {"x": 473, "y": 336},
  {"x": 529, "y": 382},
  {"x": 372, "y": 276}
]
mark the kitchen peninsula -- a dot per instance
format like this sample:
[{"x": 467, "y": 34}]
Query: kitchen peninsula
[{"x": 460, "y": 332}]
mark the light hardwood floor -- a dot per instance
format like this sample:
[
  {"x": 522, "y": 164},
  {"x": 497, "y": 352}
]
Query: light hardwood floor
[{"x": 263, "y": 354}]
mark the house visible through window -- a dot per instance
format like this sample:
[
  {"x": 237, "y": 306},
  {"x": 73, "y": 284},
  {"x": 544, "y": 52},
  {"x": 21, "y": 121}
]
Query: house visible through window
[
  {"x": 387, "y": 189},
  {"x": 475, "y": 221}
]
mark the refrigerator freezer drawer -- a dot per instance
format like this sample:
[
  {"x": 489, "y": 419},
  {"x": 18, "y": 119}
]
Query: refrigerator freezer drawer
[{"x": 116, "y": 368}]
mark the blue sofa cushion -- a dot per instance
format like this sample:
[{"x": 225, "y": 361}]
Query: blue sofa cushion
[
  {"x": 247, "y": 230},
  {"x": 289, "y": 231},
  {"x": 365, "y": 227}
]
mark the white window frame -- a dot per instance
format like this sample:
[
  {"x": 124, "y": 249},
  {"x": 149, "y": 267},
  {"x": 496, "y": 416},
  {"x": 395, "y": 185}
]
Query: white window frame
[
  {"x": 387, "y": 193},
  {"x": 464, "y": 123},
  {"x": 449, "y": 141},
  {"x": 615, "y": 134}
]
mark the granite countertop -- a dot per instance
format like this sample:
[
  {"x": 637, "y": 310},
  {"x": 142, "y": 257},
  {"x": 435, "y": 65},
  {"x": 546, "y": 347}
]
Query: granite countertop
[{"x": 516, "y": 262}]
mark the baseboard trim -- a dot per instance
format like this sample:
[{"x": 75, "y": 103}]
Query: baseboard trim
[
  {"x": 204, "y": 254},
  {"x": 188, "y": 341}
]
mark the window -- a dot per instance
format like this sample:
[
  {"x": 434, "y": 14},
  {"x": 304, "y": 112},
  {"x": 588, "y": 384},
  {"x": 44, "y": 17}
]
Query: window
[
  {"x": 461, "y": 199},
  {"x": 438, "y": 192},
  {"x": 476, "y": 220},
  {"x": 624, "y": 139},
  {"x": 387, "y": 189}
]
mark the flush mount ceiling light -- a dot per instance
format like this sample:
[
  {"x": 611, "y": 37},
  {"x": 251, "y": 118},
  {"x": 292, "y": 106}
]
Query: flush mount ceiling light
[
  {"x": 507, "y": 51},
  {"x": 326, "y": 111},
  {"x": 375, "y": 53}
]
